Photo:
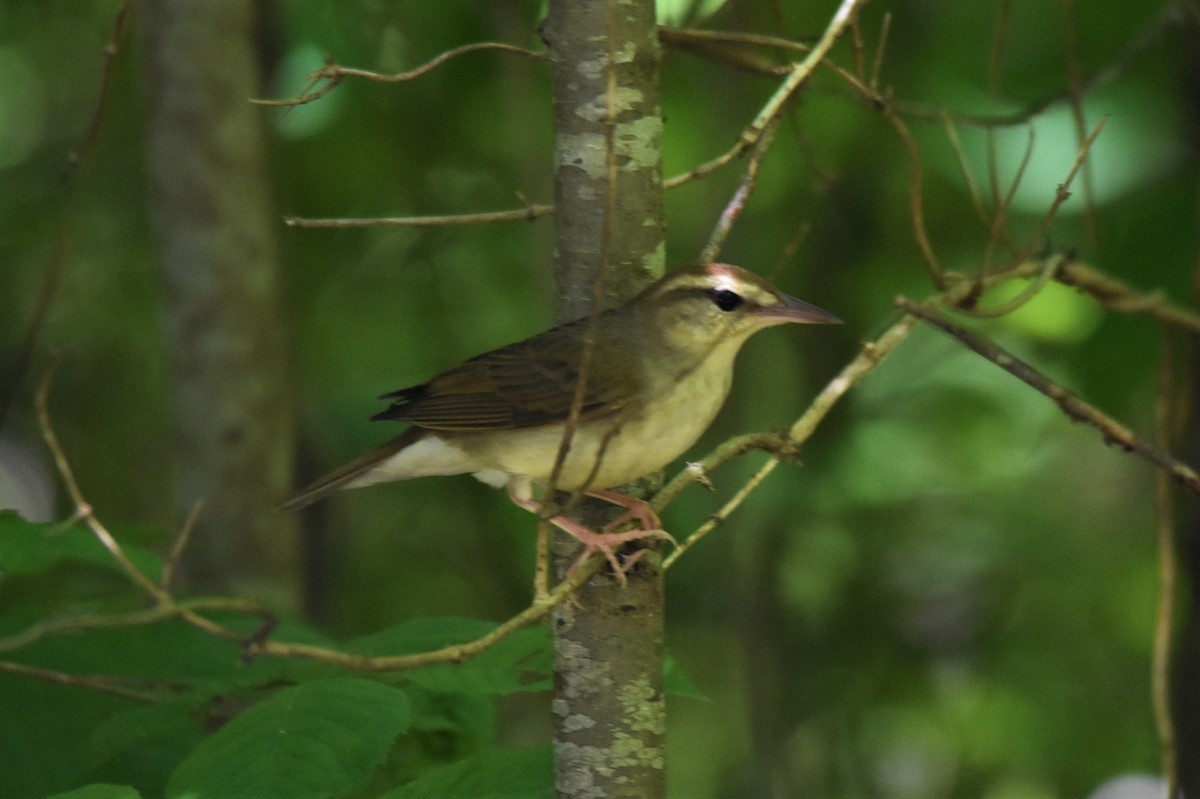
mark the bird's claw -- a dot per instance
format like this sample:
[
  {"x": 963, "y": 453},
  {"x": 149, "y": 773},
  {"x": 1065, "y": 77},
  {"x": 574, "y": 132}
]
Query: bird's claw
[{"x": 605, "y": 541}]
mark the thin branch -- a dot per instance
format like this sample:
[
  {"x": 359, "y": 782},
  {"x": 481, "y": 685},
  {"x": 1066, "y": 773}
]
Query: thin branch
[
  {"x": 1119, "y": 297},
  {"x": 1168, "y": 575},
  {"x": 734, "y": 208},
  {"x": 726, "y": 47},
  {"x": 177, "y": 549},
  {"x": 526, "y": 214},
  {"x": 1173, "y": 14},
  {"x": 1078, "y": 118},
  {"x": 1049, "y": 268},
  {"x": 998, "y": 231},
  {"x": 326, "y": 79},
  {"x": 93, "y": 682},
  {"x": 1061, "y": 195},
  {"x": 455, "y": 653},
  {"x": 57, "y": 266},
  {"x": 76, "y": 623},
  {"x": 83, "y": 511},
  {"x": 965, "y": 168},
  {"x": 801, "y": 72},
  {"x": 856, "y": 39},
  {"x": 1076, "y": 409},
  {"x": 877, "y": 67},
  {"x": 257, "y": 644},
  {"x": 774, "y": 106},
  {"x": 916, "y": 201},
  {"x": 112, "y": 48},
  {"x": 789, "y": 443}
]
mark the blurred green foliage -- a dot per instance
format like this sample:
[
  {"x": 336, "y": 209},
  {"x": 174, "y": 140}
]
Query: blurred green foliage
[{"x": 952, "y": 596}]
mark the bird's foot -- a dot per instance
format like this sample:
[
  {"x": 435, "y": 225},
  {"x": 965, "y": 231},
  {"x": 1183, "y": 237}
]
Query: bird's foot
[
  {"x": 605, "y": 542},
  {"x": 608, "y": 539},
  {"x": 636, "y": 510}
]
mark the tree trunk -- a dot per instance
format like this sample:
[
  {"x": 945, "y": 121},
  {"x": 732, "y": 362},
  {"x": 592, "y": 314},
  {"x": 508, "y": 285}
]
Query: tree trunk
[
  {"x": 221, "y": 318},
  {"x": 609, "y": 710}
]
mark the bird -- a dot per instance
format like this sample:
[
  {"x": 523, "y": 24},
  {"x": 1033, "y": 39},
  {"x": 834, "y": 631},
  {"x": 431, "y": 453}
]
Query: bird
[{"x": 660, "y": 368}]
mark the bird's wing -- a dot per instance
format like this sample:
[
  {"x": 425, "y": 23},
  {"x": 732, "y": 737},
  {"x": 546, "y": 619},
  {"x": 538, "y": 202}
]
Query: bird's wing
[{"x": 527, "y": 384}]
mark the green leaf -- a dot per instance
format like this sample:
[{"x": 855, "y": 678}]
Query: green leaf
[
  {"x": 154, "y": 738},
  {"x": 498, "y": 774},
  {"x": 519, "y": 662},
  {"x": 29, "y": 548},
  {"x": 677, "y": 683},
  {"x": 99, "y": 791},
  {"x": 319, "y": 739},
  {"x": 43, "y": 736}
]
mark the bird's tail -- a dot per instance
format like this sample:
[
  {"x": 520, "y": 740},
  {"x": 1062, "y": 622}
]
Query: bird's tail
[{"x": 341, "y": 478}]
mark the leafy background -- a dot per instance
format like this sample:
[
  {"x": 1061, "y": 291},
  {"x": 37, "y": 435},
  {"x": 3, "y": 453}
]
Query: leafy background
[{"x": 953, "y": 595}]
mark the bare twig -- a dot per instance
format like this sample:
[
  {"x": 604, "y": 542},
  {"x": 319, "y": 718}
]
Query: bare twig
[
  {"x": 887, "y": 109},
  {"x": 734, "y": 208},
  {"x": 729, "y": 48},
  {"x": 83, "y": 511},
  {"x": 1075, "y": 97},
  {"x": 80, "y": 622},
  {"x": 916, "y": 201},
  {"x": 1164, "y": 623},
  {"x": 773, "y": 108},
  {"x": 968, "y": 177},
  {"x": 455, "y": 653},
  {"x": 94, "y": 682},
  {"x": 998, "y": 232},
  {"x": 1060, "y": 196},
  {"x": 856, "y": 39},
  {"x": 1049, "y": 268},
  {"x": 1172, "y": 15},
  {"x": 57, "y": 266},
  {"x": 880, "y": 49},
  {"x": 1077, "y": 410},
  {"x": 327, "y": 78},
  {"x": 177, "y": 549},
  {"x": 112, "y": 48},
  {"x": 1119, "y": 297},
  {"x": 526, "y": 214},
  {"x": 167, "y": 606},
  {"x": 789, "y": 443}
]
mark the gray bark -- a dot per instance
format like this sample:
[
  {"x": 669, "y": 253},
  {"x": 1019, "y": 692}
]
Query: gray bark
[{"x": 609, "y": 710}]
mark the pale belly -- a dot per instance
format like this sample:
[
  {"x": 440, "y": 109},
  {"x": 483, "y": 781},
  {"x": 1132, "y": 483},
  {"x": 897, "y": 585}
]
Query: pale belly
[{"x": 612, "y": 451}]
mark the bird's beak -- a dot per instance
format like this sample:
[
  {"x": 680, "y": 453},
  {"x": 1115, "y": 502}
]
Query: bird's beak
[{"x": 796, "y": 310}]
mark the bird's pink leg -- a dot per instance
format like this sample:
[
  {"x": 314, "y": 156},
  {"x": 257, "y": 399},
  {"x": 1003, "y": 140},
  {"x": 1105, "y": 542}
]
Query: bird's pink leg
[{"x": 605, "y": 540}]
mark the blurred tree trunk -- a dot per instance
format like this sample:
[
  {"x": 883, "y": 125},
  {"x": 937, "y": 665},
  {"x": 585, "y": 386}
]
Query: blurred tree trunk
[
  {"x": 1185, "y": 674},
  {"x": 609, "y": 710},
  {"x": 221, "y": 315}
]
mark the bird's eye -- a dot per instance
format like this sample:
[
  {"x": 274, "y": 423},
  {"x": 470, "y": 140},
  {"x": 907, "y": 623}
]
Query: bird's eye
[{"x": 725, "y": 299}]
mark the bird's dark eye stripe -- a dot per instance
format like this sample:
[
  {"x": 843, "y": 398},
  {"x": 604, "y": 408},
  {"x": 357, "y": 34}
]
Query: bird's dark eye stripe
[{"x": 725, "y": 299}]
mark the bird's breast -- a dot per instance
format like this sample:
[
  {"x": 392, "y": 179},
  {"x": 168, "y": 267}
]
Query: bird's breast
[{"x": 640, "y": 437}]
